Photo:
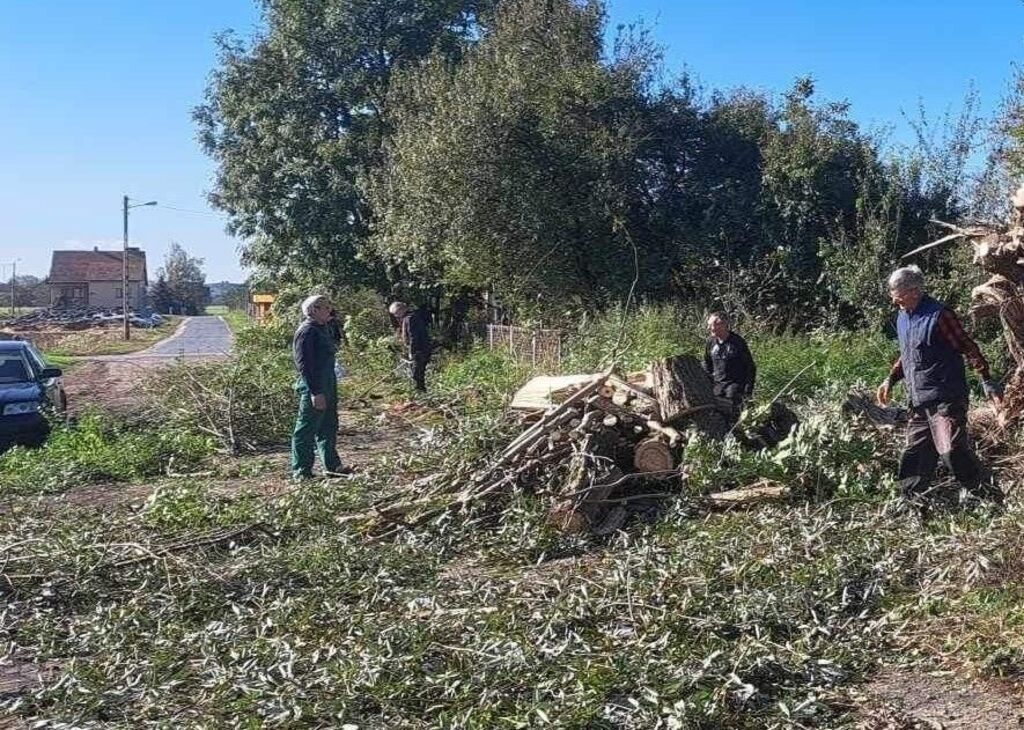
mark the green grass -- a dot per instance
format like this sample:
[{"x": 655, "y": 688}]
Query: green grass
[{"x": 95, "y": 449}]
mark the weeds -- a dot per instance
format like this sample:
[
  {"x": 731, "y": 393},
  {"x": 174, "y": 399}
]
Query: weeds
[{"x": 97, "y": 449}]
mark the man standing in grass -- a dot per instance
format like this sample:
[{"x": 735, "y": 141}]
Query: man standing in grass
[
  {"x": 933, "y": 347},
  {"x": 414, "y": 334},
  {"x": 727, "y": 360},
  {"x": 313, "y": 350}
]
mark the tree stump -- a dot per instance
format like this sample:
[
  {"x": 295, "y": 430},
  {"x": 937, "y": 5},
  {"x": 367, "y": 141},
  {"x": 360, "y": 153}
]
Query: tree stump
[{"x": 681, "y": 385}]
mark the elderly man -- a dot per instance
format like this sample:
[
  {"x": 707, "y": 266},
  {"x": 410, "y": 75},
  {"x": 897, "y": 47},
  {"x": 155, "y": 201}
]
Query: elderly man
[
  {"x": 933, "y": 347},
  {"x": 313, "y": 349},
  {"x": 728, "y": 361},
  {"x": 415, "y": 338}
]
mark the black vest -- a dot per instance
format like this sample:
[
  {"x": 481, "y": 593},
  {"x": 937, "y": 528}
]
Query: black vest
[{"x": 933, "y": 370}]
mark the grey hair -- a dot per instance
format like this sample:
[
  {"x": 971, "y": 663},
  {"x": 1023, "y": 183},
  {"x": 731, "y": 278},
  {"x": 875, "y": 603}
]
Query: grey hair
[
  {"x": 906, "y": 277},
  {"x": 721, "y": 317},
  {"x": 311, "y": 301}
]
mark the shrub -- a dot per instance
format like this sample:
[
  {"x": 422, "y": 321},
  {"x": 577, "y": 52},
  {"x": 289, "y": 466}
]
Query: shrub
[
  {"x": 98, "y": 449},
  {"x": 244, "y": 403}
]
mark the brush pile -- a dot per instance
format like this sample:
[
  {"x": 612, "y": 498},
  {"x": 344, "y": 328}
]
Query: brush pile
[
  {"x": 597, "y": 448},
  {"x": 999, "y": 251}
]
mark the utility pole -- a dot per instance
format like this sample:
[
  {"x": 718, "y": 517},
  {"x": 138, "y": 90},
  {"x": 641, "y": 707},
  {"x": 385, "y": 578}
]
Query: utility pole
[
  {"x": 124, "y": 276},
  {"x": 124, "y": 269},
  {"x": 14, "y": 282}
]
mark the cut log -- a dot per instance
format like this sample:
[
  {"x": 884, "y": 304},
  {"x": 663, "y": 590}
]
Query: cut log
[
  {"x": 754, "y": 494},
  {"x": 680, "y": 385},
  {"x": 620, "y": 398},
  {"x": 653, "y": 455},
  {"x": 674, "y": 437}
]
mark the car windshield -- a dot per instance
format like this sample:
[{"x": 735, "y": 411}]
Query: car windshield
[{"x": 13, "y": 368}]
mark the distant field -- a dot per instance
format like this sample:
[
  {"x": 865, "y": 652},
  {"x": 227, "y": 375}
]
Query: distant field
[{"x": 235, "y": 318}]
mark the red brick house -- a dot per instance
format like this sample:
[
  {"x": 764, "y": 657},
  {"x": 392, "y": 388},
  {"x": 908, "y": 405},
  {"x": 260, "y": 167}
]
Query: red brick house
[{"x": 94, "y": 279}]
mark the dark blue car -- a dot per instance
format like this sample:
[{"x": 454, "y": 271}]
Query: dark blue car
[{"x": 28, "y": 386}]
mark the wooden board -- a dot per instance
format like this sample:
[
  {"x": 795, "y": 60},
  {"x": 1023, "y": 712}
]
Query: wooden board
[{"x": 545, "y": 391}]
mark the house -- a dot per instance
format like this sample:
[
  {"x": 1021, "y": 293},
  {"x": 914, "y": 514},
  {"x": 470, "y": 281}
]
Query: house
[{"x": 94, "y": 279}]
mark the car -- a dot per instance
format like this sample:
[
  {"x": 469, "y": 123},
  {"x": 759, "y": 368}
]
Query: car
[{"x": 28, "y": 387}]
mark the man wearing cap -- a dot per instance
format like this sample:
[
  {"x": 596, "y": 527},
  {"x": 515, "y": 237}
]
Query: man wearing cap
[
  {"x": 316, "y": 425},
  {"x": 414, "y": 335},
  {"x": 933, "y": 347}
]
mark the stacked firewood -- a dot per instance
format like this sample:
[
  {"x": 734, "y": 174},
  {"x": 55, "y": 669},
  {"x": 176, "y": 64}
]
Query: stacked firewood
[
  {"x": 597, "y": 452},
  {"x": 596, "y": 448}
]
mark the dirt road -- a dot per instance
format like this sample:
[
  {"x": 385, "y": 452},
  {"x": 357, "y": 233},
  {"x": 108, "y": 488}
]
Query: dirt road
[{"x": 113, "y": 381}]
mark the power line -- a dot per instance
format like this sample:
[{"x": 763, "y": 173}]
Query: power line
[{"x": 192, "y": 212}]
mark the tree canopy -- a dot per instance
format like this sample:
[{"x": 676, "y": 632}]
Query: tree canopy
[{"x": 457, "y": 147}]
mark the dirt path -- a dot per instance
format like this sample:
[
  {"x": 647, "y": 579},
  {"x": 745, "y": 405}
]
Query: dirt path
[{"x": 913, "y": 700}]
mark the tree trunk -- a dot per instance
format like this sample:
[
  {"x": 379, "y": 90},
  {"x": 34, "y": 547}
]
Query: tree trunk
[{"x": 680, "y": 385}]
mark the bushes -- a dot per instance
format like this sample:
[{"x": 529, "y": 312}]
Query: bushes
[{"x": 97, "y": 449}]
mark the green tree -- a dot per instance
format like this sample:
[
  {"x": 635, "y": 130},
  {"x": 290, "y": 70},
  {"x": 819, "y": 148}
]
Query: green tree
[
  {"x": 160, "y": 296},
  {"x": 181, "y": 283},
  {"x": 518, "y": 169},
  {"x": 293, "y": 118}
]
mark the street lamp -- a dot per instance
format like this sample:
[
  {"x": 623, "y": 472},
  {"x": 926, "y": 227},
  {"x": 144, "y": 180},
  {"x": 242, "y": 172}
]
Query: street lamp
[{"x": 124, "y": 268}]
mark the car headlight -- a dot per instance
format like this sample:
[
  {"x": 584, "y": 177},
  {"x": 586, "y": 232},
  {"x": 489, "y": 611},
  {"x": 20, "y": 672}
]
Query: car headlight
[{"x": 14, "y": 409}]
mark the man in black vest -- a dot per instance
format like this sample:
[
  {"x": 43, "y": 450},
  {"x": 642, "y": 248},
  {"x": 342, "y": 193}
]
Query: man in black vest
[
  {"x": 728, "y": 361},
  {"x": 933, "y": 347}
]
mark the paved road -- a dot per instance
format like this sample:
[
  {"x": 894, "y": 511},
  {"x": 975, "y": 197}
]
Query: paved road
[{"x": 195, "y": 337}]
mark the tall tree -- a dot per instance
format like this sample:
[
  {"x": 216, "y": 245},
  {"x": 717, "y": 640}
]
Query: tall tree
[
  {"x": 517, "y": 170},
  {"x": 294, "y": 118}
]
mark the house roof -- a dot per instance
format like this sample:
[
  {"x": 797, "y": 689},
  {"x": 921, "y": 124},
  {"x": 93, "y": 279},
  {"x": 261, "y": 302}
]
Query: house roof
[{"x": 70, "y": 267}]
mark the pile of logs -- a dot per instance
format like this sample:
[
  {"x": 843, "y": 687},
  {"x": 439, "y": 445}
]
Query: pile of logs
[
  {"x": 613, "y": 436},
  {"x": 596, "y": 448}
]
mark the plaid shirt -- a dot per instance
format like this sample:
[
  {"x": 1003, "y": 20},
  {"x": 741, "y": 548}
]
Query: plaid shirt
[{"x": 953, "y": 332}]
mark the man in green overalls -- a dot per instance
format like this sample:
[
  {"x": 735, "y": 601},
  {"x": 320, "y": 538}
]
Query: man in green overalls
[{"x": 313, "y": 350}]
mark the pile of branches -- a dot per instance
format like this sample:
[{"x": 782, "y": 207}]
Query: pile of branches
[
  {"x": 611, "y": 449},
  {"x": 999, "y": 251}
]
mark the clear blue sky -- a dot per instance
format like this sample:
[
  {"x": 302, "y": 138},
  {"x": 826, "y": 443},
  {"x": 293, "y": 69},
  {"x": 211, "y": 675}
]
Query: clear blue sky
[{"x": 97, "y": 95}]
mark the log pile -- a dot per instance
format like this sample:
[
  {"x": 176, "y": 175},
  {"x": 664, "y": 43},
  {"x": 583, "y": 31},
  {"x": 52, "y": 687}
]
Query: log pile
[{"x": 598, "y": 449}]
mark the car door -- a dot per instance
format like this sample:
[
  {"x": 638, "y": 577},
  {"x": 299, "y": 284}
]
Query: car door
[{"x": 53, "y": 388}]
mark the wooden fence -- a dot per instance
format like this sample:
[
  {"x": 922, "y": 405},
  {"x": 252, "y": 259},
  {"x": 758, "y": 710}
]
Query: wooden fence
[{"x": 535, "y": 347}]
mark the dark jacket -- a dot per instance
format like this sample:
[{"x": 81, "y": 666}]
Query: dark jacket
[
  {"x": 933, "y": 370},
  {"x": 415, "y": 332},
  {"x": 730, "y": 363},
  {"x": 313, "y": 351}
]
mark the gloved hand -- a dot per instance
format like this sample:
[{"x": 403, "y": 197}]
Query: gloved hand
[{"x": 993, "y": 389}]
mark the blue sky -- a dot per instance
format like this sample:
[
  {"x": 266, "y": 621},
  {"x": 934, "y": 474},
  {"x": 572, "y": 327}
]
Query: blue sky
[{"x": 97, "y": 95}]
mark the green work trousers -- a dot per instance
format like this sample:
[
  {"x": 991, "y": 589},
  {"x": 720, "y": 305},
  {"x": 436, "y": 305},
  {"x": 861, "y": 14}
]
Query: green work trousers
[{"x": 319, "y": 428}]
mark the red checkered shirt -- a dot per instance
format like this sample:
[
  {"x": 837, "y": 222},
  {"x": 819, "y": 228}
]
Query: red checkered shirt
[{"x": 953, "y": 332}]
